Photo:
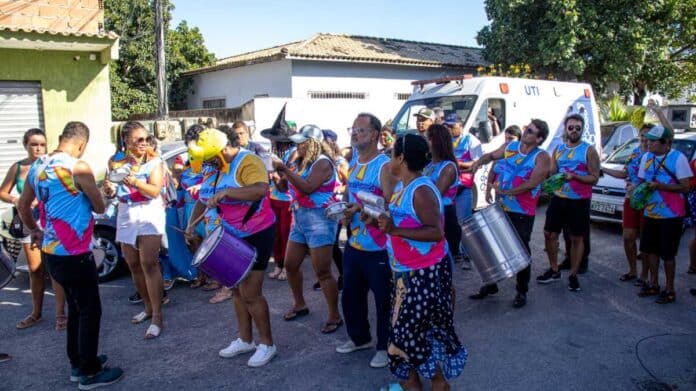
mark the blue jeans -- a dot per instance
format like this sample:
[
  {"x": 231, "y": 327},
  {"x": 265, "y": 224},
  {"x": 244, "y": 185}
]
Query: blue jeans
[
  {"x": 463, "y": 202},
  {"x": 312, "y": 228}
]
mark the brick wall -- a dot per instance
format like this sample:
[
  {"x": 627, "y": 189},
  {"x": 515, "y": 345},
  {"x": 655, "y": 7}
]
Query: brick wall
[{"x": 72, "y": 16}]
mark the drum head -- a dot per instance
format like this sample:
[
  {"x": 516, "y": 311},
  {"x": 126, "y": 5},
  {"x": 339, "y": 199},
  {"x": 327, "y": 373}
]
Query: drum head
[
  {"x": 7, "y": 268},
  {"x": 208, "y": 245},
  {"x": 118, "y": 175}
]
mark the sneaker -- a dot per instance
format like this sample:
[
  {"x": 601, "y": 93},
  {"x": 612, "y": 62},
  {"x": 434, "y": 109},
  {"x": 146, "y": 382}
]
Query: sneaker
[
  {"x": 135, "y": 298},
  {"x": 520, "y": 300},
  {"x": 236, "y": 348},
  {"x": 262, "y": 356},
  {"x": 168, "y": 284},
  {"x": 103, "y": 378},
  {"x": 380, "y": 359},
  {"x": 549, "y": 276},
  {"x": 484, "y": 291},
  {"x": 75, "y": 372},
  {"x": 350, "y": 347},
  {"x": 466, "y": 263},
  {"x": 573, "y": 283},
  {"x": 666, "y": 297}
]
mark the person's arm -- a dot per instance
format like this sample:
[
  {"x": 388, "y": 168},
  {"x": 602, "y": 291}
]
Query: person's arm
[
  {"x": 198, "y": 210},
  {"x": 342, "y": 170},
  {"x": 592, "y": 169},
  {"x": 446, "y": 178},
  {"x": 620, "y": 174},
  {"x": 321, "y": 172},
  {"x": 681, "y": 187},
  {"x": 388, "y": 182},
  {"x": 542, "y": 162},
  {"x": 488, "y": 157},
  {"x": 280, "y": 183},
  {"x": 426, "y": 205},
  {"x": 84, "y": 179},
  {"x": 152, "y": 188},
  {"x": 7, "y": 184},
  {"x": 24, "y": 209},
  {"x": 660, "y": 114}
]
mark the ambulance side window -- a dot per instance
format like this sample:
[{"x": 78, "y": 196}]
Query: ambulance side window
[{"x": 488, "y": 126}]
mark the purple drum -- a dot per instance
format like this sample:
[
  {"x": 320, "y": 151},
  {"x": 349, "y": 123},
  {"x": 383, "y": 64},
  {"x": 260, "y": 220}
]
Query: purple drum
[{"x": 225, "y": 257}]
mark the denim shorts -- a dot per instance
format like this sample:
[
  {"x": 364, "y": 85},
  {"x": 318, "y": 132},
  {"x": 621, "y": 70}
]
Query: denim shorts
[{"x": 312, "y": 227}]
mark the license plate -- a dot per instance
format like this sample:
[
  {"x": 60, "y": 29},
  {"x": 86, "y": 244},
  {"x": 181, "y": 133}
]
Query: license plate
[{"x": 602, "y": 207}]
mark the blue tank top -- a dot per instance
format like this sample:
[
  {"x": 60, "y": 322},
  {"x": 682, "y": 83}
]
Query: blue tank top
[
  {"x": 322, "y": 196},
  {"x": 366, "y": 177},
  {"x": 284, "y": 195},
  {"x": 434, "y": 170},
  {"x": 514, "y": 169},
  {"x": 573, "y": 160}
]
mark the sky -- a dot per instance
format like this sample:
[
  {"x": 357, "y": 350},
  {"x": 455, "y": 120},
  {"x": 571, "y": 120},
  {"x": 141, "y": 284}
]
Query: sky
[{"x": 232, "y": 27}]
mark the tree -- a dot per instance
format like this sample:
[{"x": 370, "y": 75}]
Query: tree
[
  {"x": 133, "y": 78},
  {"x": 639, "y": 44}
]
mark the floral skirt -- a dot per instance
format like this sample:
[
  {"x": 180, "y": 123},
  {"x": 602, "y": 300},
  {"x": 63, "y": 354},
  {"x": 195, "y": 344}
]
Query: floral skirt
[
  {"x": 690, "y": 218},
  {"x": 422, "y": 334}
]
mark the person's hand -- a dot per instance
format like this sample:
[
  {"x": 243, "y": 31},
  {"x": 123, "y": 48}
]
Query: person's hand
[
  {"x": 130, "y": 180},
  {"x": 630, "y": 187},
  {"x": 569, "y": 176},
  {"x": 385, "y": 223},
  {"x": 654, "y": 185},
  {"x": 189, "y": 234},
  {"x": 274, "y": 177},
  {"x": 279, "y": 166},
  {"x": 193, "y": 191},
  {"x": 36, "y": 238},
  {"x": 351, "y": 209},
  {"x": 489, "y": 194},
  {"x": 215, "y": 199},
  {"x": 108, "y": 189}
]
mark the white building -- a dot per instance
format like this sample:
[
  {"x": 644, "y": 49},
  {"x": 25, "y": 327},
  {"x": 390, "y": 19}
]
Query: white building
[{"x": 336, "y": 76}]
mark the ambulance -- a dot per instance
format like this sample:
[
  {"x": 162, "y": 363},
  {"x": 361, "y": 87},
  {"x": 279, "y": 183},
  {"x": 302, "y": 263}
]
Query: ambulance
[{"x": 513, "y": 101}]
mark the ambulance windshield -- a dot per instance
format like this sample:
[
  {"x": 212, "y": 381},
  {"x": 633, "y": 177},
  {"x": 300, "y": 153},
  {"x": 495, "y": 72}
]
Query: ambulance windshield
[{"x": 460, "y": 104}]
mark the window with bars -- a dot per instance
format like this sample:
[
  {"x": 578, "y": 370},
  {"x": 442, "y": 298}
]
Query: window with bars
[
  {"x": 214, "y": 103},
  {"x": 401, "y": 95},
  {"x": 336, "y": 95}
]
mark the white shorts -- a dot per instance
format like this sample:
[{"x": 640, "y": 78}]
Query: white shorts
[{"x": 142, "y": 218}]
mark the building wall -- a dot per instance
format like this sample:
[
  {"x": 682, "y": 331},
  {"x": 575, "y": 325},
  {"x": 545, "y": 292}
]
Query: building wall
[
  {"x": 71, "y": 90},
  {"x": 83, "y": 16},
  {"x": 238, "y": 85}
]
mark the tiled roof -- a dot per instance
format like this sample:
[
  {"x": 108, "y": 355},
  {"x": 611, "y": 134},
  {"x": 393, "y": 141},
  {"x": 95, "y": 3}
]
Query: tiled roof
[
  {"x": 109, "y": 34},
  {"x": 354, "y": 48}
]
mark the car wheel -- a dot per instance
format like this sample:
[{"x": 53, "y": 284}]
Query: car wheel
[{"x": 107, "y": 254}]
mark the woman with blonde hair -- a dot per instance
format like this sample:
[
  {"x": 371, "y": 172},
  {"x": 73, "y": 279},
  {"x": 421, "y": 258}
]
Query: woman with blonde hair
[{"x": 312, "y": 232}]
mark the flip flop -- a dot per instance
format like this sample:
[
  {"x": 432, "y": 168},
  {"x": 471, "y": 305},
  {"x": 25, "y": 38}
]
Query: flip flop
[
  {"x": 282, "y": 276},
  {"x": 292, "y": 314},
  {"x": 331, "y": 327},
  {"x": 140, "y": 318},
  {"x": 211, "y": 286},
  {"x": 627, "y": 277},
  {"x": 61, "y": 322},
  {"x": 153, "y": 331},
  {"x": 28, "y": 322}
]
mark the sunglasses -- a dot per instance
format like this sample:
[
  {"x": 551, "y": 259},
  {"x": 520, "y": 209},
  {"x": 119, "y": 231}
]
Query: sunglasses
[
  {"x": 357, "y": 130},
  {"x": 528, "y": 130},
  {"x": 576, "y": 128},
  {"x": 140, "y": 140}
]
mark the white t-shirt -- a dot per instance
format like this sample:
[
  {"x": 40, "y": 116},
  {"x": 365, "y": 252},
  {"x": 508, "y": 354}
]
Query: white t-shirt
[{"x": 681, "y": 171}]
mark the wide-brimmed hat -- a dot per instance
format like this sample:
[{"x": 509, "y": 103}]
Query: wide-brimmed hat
[{"x": 280, "y": 131}]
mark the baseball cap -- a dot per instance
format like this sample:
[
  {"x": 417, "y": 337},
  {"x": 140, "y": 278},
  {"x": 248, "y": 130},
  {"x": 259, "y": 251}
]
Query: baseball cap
[
  {"x": 329, "y": 134},
  {"x": 425, "y": 113},
  {"x": 659, "y": 132},
  {"x": 307, "y": 132},
  {"x": 452, "y": 119}
]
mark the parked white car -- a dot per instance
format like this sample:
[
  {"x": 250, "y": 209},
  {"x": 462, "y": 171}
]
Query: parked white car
[{"x": 608, "y": 194}]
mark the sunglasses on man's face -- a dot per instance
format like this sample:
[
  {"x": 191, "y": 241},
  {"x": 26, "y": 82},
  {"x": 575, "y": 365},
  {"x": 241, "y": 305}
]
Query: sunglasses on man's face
[{"x": 576, "y": 128}]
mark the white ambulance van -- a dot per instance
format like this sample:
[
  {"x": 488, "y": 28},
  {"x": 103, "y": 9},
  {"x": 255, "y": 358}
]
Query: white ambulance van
[{"x": 514, "y": 101}]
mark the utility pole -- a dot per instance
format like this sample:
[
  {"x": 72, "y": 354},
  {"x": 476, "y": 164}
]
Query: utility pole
[{"x": 162, "y": 98}]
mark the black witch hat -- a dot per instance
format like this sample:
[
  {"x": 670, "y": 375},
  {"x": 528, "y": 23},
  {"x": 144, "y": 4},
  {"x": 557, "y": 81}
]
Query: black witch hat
[{"x": 280, "y": 131}]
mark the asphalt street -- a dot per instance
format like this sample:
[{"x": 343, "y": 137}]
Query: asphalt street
[{"x": 602, "y": 338}]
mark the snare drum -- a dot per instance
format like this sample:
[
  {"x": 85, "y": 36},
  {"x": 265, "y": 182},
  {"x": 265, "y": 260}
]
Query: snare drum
[
  {"x": 336, "y": 211},
  {"x": 225, "y": 257}
]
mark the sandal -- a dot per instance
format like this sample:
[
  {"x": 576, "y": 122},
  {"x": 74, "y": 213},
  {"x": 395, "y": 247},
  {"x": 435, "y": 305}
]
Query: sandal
[
  {"x": 640, "y": 283},
  {"x": 628, "y": 277},
  {"x": 294, "y": 314},
  {"x": 649, "y": 290},
  {"x": 220, "y": 296},
  {"x": 196, "y": 283},
  {"x": 28, "y": 322},
  {"x": 211, "y": 286},
  {"x": 331, "y": 327},
  {"x": 282, "y": 276},
  {"x": 153, "y": 331},
  {"x": 141, "y": 317},
  {"x": 275, "y": 273},
  {"x": 666, "y": 297},
  {"x": 61, "y": 322}
]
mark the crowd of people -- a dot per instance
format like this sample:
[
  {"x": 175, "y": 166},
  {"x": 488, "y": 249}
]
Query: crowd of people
[{"x": 404, "y": 254}]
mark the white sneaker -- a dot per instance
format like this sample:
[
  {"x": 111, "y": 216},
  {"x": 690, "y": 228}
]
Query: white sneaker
[
  {"x": 263, "y": 355},
  {"x": 349, "y": 347},
  {"x": 237, "y": 347},
  {"x": 380, "y": 360}
]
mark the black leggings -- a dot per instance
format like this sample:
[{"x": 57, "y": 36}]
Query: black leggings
[
  {"x": 453, "y": 232},
  {"x": 337, "y": 253}
]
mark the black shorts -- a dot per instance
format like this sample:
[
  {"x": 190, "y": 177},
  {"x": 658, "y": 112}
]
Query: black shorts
[
  {"x": 568, "y": 213},
  {"x": 262, "y": 241},
  {"x": 661, "y": 237}
]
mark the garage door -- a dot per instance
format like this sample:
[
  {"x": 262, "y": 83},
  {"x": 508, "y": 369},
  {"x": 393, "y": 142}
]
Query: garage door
[{"x": 20, "y": 109}]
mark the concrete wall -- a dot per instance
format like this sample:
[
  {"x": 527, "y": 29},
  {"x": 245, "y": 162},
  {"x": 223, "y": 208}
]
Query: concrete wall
[
  {"x": 238, "y": 85},
  {"x": 73, "y": 16},
  {"x": 72, "y": 91}
]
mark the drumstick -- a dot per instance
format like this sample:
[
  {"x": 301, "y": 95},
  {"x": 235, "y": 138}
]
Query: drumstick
[{"x": 193, "y": 223}]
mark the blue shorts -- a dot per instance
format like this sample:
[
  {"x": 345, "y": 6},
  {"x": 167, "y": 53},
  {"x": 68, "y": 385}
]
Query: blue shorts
[{"x": 312, "y": 228}]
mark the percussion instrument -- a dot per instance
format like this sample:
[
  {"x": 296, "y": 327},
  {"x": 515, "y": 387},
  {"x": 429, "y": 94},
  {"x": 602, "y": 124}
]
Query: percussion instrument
[
  {"x": 336, "y": 211},
  {"x": 553, "y": 183},
  {"x": 493, "y": 245},
  {"x": 224, "y": 257},
  {"x": 119, "y": 174},
  {"x": 640, "y": 196}
]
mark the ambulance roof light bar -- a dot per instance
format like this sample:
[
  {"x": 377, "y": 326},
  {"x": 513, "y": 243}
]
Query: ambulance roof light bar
[{"x": 442, "y": 80}]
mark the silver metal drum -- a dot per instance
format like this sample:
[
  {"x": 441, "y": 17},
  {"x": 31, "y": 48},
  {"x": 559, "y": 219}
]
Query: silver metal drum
[{"x": 493, "y": 245}]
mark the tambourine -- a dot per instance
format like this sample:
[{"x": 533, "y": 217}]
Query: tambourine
[
  {"x": 640, "y": 196},
  {"x": 336, "y": 211},
  {"x": 553, "y": 183}
]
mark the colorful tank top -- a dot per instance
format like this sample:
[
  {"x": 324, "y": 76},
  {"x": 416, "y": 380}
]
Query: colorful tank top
[
  {"x": 230, "y": 213},
  {"x": 663, "y": 204},
  {"x": 284, "y": 195},
  {"x": 141, "y": 171},
  {"x": 462, "y": 151},
  {"x": 433, "y": 171},
  {"x": 322, "y": 196},
  {"x": 366, "y": 177},
  {"x": 68, "y": 224},
  {"x": 573, "y": 160},
  {"x": 633, "y": 166},
  {"x": 514, "y": 169},
  {"x": 406, "y": 254}
]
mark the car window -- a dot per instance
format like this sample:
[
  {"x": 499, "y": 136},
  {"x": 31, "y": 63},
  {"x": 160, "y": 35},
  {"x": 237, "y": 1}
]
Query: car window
[
  {"x": 622, "y": 153},
  {"x": 686, "y": 147},
  {"x": 404, "y": 121}
]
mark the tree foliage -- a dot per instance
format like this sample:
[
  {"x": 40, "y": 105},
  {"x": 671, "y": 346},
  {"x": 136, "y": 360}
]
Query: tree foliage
[
  {"x": 639, "y": 44},
  {"x": 133, "y": 77}
]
